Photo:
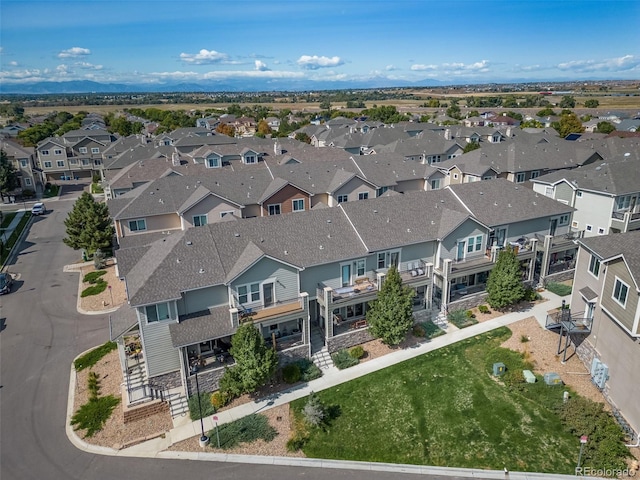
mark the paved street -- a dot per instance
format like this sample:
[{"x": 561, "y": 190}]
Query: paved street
[{"x": 42, "y": 333}]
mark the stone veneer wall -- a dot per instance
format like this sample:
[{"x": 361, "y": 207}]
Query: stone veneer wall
[
  {"x": 168, "y": 380},
  {"x": 138, "y": 412},
  {"x": 292, "y": 355},
  {"x": 469, "y": 303},
  {"x": 209, "y": 381},
  {"x": 559, "y": 277},
  {"x": 347, "y": 340}
]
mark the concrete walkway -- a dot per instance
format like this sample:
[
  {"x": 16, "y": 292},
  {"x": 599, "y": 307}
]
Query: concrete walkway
[{"x": 331, "y": 377}]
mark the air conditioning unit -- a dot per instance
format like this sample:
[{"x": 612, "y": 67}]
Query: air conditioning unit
[{"x": 599, "y": 373}]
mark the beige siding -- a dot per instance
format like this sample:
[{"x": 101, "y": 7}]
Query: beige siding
[
  {"x": 169, "y": 221},
  {"x": 584, "y": 278},
  {"x": 564, "y": 192},
  {"x": 212, "y": 207},
  {"x": 455, "y": 176},
  {"x": 410, "y": 185},
  {"x": 352, "y": 188},
  {"x": 624, "y": 315}
]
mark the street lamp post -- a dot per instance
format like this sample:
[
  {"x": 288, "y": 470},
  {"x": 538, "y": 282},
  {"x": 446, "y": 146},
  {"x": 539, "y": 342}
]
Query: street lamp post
[
  {"x": 203, "y": 438},
  {"x": 583, "y": 439}
]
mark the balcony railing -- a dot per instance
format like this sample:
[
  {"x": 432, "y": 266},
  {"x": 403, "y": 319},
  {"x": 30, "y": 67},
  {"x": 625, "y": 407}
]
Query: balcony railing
[
  {"x": 575, "y": 323},
  {"x": 361, "y": 288},
  {"x": 416, "y": 271},
  {"x": 341, "y": 325},
  {"x": 254, "y": 313}
]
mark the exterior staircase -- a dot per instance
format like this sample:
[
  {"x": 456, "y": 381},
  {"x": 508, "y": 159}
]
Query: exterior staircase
[{"x": 322, "y": 359}]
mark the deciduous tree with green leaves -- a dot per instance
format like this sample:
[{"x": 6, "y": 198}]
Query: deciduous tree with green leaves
[
  {"x": 504, "y": 284},
  {"x": 390, "y": 315},
  {"x": 255, "y": 362},
  {"x": 591, "y": 103},
  {"x": 89, "y": 226},
  {"x": 8, "y": 175},
  {"x": 569, "y": 123},
  {"x": 605, "y": 127}
]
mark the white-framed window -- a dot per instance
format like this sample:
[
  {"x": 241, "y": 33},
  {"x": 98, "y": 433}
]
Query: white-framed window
[
  {"x": 274, "y": 209},
  {"x": 474, "y": 244},
  {"x": 579, "y": 194},
  {"x": 575, "y": 224},
  {"x": 227, "y": 212},
  {"x": 97, "y": 162},
  {"x": 435, "y": 184},
  {"x": 343, "y": 198},
  {"x": 455, "y": 175},
  {"x": 381, "y": 191},
  {"x": 73, "y": 161},
  {"x": 95, "y": 150},
  {"x": 363, "y": 195},
  {"x": 360, "y": 267},
  {"x": 548, "y": 192},
  {"x": 248, "y": 293},
  {"x": 85, "y": 162},
  {"x": 520, "y": 177},
  {"x": 535, "y": 174},
  {"x": 199, "y": 220},
  {"x": 623, "y": 203},
  {"x": 594, "y": 266},
  {"x": 27, "y": 182},
  {"x": 213, "y": 162},
  {"x": 57, "y": 151},
  {"x": 47, "y": 164},
  {"x": 433, "y": 159},
  {"x": 250, "y": 159},
  {"x": 157, "y": 313},
  {"x": 44, "y": 152},
  {"x": 600, "y": 231},
  {"x": 60, "y": 163},
  {"x": 138, "y": 225},
  {"x": 589, "y": 228},
  {"x": 297, "y": 205},
  {"x": 82, "y": 149},
  {"x": 564, "y": 220},
  {"x": 386, "y": 259},
  {"x": 23, "y": 163},
  {"x": 620, "y": 292}
]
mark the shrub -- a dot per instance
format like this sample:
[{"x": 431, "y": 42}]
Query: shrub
[
  {"x": 28, "y": 193},
  {"x": 296, "y": 443},
  {"x": 460, "y": 319},
  {"x": 343, "y": 360},
  {"x": 470, "y": 314},
  {"x": 431, "y": 330},
  {"x": 309, "y": 370},
  {"x": 357, "y": 352},
  {"x": 530, "y": 295},
  {"x": 218, "y": 400},
  {"x": 205, "y": 402},
  {"x": 484, "y": 309},
  {"x": 93, "y": 385},
  {"x": 231, "y": 384},
  {"x": 93, "y": 415},
  {"x": 559, "y": 289},
  {"x": 89, "y": 359},
  {"x": 93, "y": 277},
  {"x": 419, "y": 331},
  {"x": 524, "y": 339},
  {"x": 291, "y": 373},
  {"x": 314, "y": 411},
  {"x": 99, "y": 287},
  {"x": 245, "y": 430}
]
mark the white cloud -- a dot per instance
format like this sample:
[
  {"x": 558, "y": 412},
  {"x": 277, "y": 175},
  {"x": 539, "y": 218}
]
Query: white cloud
[
  {"x": 390, "y": 68},
  {"x": 627, "y": 62},
  {"x": 261, "y": 66},
  {"x": 74, "y": 52},
  {"x": 13, "y": 63},
  {"x": 313, "y": 62},
  {"x": 527, "y": 68},
  {"x": 419, "y": 67},
  {"x": 203, "y": 57},
  {"x": 88, "y": 66}
]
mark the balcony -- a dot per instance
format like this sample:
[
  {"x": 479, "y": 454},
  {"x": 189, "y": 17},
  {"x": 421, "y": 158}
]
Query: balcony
[
  {"x": 362, "y": 288},
  {"x": 342, "y": 325},
  {"x": 465, "y": 265},
  {"x": 416, "y": 271},
  {"x": 625, "y": 221},
  {"x": 561, "y": 242},
  {"x": 572, "y": 323},
  {"x": 258, "y": 313}
]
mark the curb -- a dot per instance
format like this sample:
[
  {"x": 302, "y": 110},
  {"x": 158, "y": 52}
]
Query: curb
[
  {"x": 20, "y": 239},
  {"x": 77, "y": 268}
]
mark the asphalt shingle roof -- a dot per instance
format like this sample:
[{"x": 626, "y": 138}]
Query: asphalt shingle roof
[{"x": 625, "y": 244}]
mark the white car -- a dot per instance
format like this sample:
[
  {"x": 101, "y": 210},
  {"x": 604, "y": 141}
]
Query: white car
[{"x": 38, "y": 209}]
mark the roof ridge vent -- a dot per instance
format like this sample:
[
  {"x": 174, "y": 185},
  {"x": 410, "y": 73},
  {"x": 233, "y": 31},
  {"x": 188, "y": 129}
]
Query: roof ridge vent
[{"x": 201, "y": 270}]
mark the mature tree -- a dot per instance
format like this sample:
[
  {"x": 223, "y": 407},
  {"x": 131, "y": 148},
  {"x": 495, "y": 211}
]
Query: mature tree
[
  {"x": 568, "y": 102},
  {"x": 8, "y": 175},
  {"x": 510, "y": 101},
  {"x": 263, "y": 128},
  {"x": 454, "y": 111},
  {"x": 390, "y": 315},
  {"x": 504, "y": 284},
  {"x": 591, "y": 103},
  {"x": 531, "y": 124},
  {"x": 226, "y": 129},
  {"x": 568, "y": 124},
  {"x": 303, "y": 137},
  {"x": 470, "y": 147},
  {"x": 546, "y": 112},
  {"x": 605, "y": 127},
  {"x": 88, "y": 225},
  {"x": 255, "y": 361}
]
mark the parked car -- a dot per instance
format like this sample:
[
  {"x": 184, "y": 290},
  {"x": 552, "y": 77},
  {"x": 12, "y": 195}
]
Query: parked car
[
  {"x": 5, "y": 283},
  {"x": 38, "y": 209}
]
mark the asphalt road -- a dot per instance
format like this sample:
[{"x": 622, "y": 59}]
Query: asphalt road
[{"x": 41, "y": 334}]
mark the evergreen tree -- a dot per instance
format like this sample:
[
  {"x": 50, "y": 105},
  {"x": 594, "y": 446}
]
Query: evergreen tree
[
  {"x": 314, "y": 411},
  {"x": 8, "y": 175},
  {"x": 504, "y": 284},
  {"x": 390, "y": 315},
  {"x": 255, "y": 361},
  {"x": 88, "y": 225}
]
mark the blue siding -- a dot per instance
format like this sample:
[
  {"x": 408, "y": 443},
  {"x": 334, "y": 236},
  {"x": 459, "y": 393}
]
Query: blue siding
[
  {"x": 286, "y": 286},
  {"x": 202, "y": 299}
]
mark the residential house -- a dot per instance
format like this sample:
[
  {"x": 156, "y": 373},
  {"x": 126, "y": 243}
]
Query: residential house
[{"x": 23, "y": 161}]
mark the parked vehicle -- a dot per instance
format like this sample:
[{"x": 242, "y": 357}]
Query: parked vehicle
[
  {"x": 38, "y": 209},
  {"x": 6, "y": 280}
]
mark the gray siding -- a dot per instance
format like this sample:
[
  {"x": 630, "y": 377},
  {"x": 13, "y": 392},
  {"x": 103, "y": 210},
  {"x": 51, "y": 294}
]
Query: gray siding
[
  {"x": 420, "y": 251},
  {"x": 286, "y": 286},
  {"x": 624, "y": 315},
  {"x": 310, "y": 277},
  {"x": 468, "y": 229},
  {"x": 564, "y": 192},
  {"x": 583, "y": 278},
  {"x": 202, "y": 299},
  {"x": 160, "y": 356},
  {"x": 595, "y": 210}
]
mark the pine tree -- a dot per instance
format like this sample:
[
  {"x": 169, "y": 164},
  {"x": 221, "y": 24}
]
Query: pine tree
[
  {"x": 504, "y": 285},
  {"x": 88, "y": 225},
  {"x": 390, "y": 315},
  {"x": 314, "y": 411}
]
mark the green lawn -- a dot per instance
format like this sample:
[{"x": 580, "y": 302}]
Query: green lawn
[{"x": 445, "y": 408}]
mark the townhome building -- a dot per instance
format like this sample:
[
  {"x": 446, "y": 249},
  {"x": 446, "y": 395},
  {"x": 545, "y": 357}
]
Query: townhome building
[
  {"x": 23, "y": 161},
  {"x": 603, "y": 322},
  {"x": 605, "y": 194}
]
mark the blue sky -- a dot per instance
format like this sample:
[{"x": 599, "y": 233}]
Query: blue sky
[{"x": 346, "y": 41}]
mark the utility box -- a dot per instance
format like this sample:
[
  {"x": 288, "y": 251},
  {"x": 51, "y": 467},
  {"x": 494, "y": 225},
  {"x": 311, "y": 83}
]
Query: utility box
[
  {"x": 552, "y": 378},
  {"x": 529, "y": 376},
  {"x": 499, "y": 368}
]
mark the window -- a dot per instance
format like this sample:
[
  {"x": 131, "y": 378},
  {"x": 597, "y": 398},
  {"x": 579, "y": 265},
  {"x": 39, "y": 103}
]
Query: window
[
  {"x": 474, "y": 244},
  {"x": 386, "y": 259},
  {"x": 381, "y": 190},
  {"x": 27, "y": 182},
  {"x": 85, "y": 161},
  {"x": 213, "y": 162},
  {"x": 433, "y": 159},
  {"x": 455, "y": 175},
  {"x": 620, "y": 292},
  {"x": 82, "y": 149},
  {"x": 594, "y": 266},
  {"x": 137, "y": 225},
  {"x": 57, "y": 152},
  {"x": 360, "y": 267},
  {"x": 363, "y": 195},
  {"x": 158, "y": 312},
  {"x": 487, "y": 177},
  {"x": 73, "y": 161},
  {"x": 95, "y": 150},
  {"x": 60, "y": 163},
  {"x": 623, "y": 203},
  {"x": 23, "y": 163},
  {"x": 97, "y": 162},
  {"x": 229, "y": 212},
  {"x": 250, "y": 159},
  {"x": 274, "y": 209},
  {"x": 575, "y": 224},
  {"x": 249, "y": 293},
  {"x": 520, "y": 177},
  {"x": 535, "y": 174},
  {"x": 45, "y": 152},
  {"x": 589, "y": 228},
  {"x": 564, "y": 220},
  {"x": 47, "y": 164},
  {"x": 199, "y": 220},
  {"x": 579, "y": 194},
  {"x": 435, "y": 184},
  {"x": 548, "y": 191},
  {"x": 343, "y": 198},
  {"x": 600, "y": 231},
  {"x": 298, "y": 204}
]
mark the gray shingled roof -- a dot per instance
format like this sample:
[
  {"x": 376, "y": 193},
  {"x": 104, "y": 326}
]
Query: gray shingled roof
[
  {"x": 201, "y": 326},
  {"x": 499, "y": 202},
  {"x": 610, "y": 246}
]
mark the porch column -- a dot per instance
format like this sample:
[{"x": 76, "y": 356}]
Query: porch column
[
  {"x": 544, "y": 268},
  {"x": 532, "y": 262},
  {"x": 328, "y": 313},
  {"x": 446, "y": 271}
]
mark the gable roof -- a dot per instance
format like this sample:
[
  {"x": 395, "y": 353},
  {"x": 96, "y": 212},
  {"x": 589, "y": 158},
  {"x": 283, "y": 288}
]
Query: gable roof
[{"x": 610, "y": 247}]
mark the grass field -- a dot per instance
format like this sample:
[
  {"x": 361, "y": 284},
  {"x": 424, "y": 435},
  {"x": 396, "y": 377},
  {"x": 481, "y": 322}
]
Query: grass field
[{"x": 445, "y": 408}]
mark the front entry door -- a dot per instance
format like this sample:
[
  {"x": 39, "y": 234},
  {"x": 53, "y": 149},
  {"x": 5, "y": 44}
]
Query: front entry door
[
  {"x": 461, "y": 250},
  {"x": 552, "y": 228},
  {"x": 267, "y": 294}
]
